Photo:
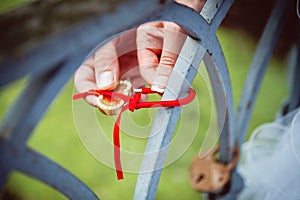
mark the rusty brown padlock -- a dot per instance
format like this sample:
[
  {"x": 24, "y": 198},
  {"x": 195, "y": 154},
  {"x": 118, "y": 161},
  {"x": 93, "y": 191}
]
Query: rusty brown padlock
[{"x": 207, "y": 174}]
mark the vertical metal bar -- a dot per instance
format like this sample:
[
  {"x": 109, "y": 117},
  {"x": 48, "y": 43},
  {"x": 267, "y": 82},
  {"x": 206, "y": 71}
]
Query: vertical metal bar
[
  {"x": 210, "y": 9},
  {"x": 294, "y": 99},
  {"x": 258, "y": 67},
  {"x": 220, "y": 14},
  {"x": 216, "y": 65},
  {"x": 207, "y": 35},
  {"x": 165, "y": 121}
]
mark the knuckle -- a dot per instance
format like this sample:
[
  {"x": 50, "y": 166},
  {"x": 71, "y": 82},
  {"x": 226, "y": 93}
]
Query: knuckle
[{"x": 168, "y": 60}]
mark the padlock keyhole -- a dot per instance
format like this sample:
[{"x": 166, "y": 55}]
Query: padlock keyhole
[
  {"x": 200, "y": 178},
  {"x": 220, "y": 179}
]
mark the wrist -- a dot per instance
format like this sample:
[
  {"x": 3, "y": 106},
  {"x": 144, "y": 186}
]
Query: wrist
[{"x": 197, "y": 5}]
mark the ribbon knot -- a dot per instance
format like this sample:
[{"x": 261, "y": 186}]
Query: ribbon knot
[{"x": 133, "y": 103}]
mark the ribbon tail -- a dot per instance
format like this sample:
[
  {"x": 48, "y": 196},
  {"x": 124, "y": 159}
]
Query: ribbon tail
[
  {"x": 133, "y": 103},
  {"x": 117, "y": 152}
]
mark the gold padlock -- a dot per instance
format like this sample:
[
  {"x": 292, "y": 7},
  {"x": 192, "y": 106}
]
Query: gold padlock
[
  {"x": 207, "y": 174},
  {"x": 112, "y": 106}
]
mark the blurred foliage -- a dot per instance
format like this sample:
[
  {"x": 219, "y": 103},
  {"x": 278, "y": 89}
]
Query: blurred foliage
[
  {"x": 8, "y": 5},
  {"x": 25, "y": 27},
  {"x": 43, "y": 18},
  {"x": 56, "y": 136}
]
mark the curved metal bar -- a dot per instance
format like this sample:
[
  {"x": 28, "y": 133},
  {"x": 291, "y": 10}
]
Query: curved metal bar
[
  {"x": 21, "y": 120},
  {"x": 182, "y": 16},
  {"x": 219, "y": 77},
  {"x": 227, "y": 139},
  {"x": 206, "y": 33},
  {"x": 34, "y": 100},
  {"x": 82, "y": 38},
  {"x": 55, "y": 53},
  {"x": 258, "y": 67},
  {"x": 36, "y": 165},
  {"x": 197, "y": 28}
]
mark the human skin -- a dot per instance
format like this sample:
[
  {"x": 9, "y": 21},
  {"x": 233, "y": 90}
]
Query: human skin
[{"x": 146, "y": 55}]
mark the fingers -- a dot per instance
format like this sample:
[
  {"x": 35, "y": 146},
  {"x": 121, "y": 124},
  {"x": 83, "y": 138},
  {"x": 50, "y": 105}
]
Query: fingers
[
  {"x": 172, "y": 44},
  {"x": 149, "y": 47},
  {"x": 197, "y": 5},
  {"x": 106, "y": 67},
  {"x": 148, "y": 61},
  {"x": 159, "y": 44},
  {"x": 99, "y": 71},
  {"x": 84, "y": 80}
]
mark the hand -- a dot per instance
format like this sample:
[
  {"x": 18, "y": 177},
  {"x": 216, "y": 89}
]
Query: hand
[
  {"x": 145, "y": 55},
  {"x": 197, "y": 5}
]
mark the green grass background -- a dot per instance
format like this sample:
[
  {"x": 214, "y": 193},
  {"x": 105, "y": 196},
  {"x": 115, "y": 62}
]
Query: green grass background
[
  {"x": 56, "y": 136},
  {"x": 7, "y": 5}
]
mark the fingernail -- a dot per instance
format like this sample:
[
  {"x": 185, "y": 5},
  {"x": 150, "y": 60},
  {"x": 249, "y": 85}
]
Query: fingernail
[
  {"x": 159, "y": 83},
  {"x": 106, "y": 79},
  {"x": 157, "y": 88}
]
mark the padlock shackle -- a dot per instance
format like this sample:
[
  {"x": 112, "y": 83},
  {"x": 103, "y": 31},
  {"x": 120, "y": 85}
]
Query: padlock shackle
[
  {"x": 236, "y": 154},
  {"x": 230, "y": 165}
]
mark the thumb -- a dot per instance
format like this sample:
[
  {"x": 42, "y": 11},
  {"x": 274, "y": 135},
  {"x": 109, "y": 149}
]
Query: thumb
[{"x": 107, "y": 67}]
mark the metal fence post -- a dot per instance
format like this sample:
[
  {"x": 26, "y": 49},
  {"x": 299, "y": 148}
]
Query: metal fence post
[
  {"x": 186, "y": 66},
  {"x": 257, "y": 69}
]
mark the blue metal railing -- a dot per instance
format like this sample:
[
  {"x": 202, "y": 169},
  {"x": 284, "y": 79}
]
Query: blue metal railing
[{"x": 51, "y": 65}]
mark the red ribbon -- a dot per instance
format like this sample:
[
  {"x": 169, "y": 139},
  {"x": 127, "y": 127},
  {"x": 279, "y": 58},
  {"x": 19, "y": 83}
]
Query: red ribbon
[{"x": 133, "y": 103}]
